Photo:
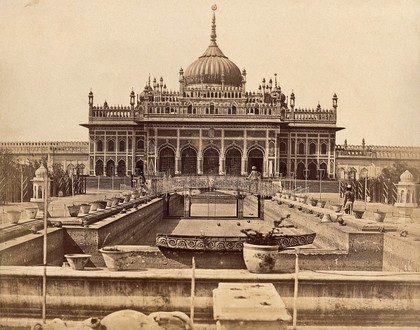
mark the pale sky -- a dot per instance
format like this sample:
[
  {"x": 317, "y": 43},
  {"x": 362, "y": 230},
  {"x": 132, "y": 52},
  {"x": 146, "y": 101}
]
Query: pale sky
[{"x": 53, "y": 51}]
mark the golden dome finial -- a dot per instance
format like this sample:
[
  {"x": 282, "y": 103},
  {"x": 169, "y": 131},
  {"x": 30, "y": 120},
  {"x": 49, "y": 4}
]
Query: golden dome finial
[
  {"x": 214, "y": 7},
  {"x": 213, "y": 34}
]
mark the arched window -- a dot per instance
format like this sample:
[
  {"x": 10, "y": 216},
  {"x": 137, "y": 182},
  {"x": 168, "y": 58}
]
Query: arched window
[
  {"x": 99, "y": 146},
  {"x": 301, "y": 148},
  {"x": 283, "y": 148},
  {"x": 122, "y": 145},
  {"x": 140, "y": 144},
  {"x": 110, "y": 145},
  {"x": 189, "y": 109},
  {"x": 212, "y": 109},
  {"x": 323, "y": 148},
  {"x": 312, "y": 149},
  {"x": 233, "y": 110}
]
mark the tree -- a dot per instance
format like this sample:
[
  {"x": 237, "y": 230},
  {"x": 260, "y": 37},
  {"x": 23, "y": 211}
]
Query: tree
[{"x": 394, "y": 172}]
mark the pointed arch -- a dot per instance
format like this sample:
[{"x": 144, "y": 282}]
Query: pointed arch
[
  {"x": 99, "y": 167},
  {"x": 121, "y": 168},
  {"x": 167, "y": 159},
  {"x": 189, "y": 160},
  {"x": 110, "y": 168},
  {"x": 233, "y": 160},
  {"x": 211, "y": 157},
  {"x": 255, "y": 158}
]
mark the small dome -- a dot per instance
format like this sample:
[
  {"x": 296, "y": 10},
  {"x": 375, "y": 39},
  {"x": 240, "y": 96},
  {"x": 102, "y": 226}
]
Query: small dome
[
  {"x": 41, "y": 171},
  {"x": 407, "y": 177}
]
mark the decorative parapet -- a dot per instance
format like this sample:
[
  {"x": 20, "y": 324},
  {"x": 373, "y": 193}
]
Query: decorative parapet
[
  {"x": 25, "y": 147},
  {"x": 329, "y": 115},
  {"x": 384, "y": 152}
]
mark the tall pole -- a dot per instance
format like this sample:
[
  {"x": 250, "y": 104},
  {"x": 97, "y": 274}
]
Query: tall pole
[{"x": 44, "y": 275}]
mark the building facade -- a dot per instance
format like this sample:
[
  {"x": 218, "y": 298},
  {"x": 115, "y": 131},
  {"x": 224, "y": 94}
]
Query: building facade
[
  {"x": 71, "y": 154},
  {"x": 212, "y": 126},
  {"x": 355, "y": 162}
]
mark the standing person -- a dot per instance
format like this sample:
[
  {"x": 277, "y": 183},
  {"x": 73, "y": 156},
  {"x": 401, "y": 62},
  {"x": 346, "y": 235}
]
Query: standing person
[{"x": 348, "y": 200}]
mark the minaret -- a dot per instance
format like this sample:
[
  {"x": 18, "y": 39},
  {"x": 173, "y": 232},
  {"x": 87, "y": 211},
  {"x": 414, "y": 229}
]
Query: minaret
[
  {"x": 181, "y": 82},
  {"x": 334, "y": 101},
  {"x": 292, "y": 104},
  {"x": 90, "y": 97}
]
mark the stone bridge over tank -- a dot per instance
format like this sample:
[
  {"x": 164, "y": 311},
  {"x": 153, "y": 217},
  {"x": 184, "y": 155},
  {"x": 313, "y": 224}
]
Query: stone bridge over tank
[
  {"x": 262, "y": 187},
  {"x": 215, "y": 191}
]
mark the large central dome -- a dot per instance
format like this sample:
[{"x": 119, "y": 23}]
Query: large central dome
[{"x": 213, "y": 67}]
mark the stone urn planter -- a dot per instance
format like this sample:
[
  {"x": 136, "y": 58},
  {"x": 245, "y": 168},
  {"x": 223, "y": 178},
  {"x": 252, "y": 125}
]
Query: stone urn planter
[
  {"x": 77, "y": 261},
  {"x": 121, "y": 257},
  {"x": 336, "y": 208},
  {"x": 31, "y": 212},
  {"x": 358, "y": 214},
  {"x": 110, "y": 202},
  {"x": 127, "y": 198},
  {"x": 314, "y": 202},
  {"x": 85, "y": 208},
  {"x": 73, "y": 210},
  {"x": 13, "y": 216},
  {"x": 321, "y": 204},
  {"x": 135, "y": 194},
  {"x": 379, "y": 216},
  {"x": 260, "y": 258}
]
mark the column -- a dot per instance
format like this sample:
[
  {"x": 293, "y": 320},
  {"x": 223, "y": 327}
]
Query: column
[
  {"x": 261, "y": 202},
  {"x": 177, "y": 155},
  {"x": 244, "y": 156}
]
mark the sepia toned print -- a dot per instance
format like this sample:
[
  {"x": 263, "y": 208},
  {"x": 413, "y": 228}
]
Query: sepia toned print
[{"x": 186, "y": 165}]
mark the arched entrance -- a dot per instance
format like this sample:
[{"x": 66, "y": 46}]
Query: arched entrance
[
  {"x": 255, "y": 158},
  {"x": 99, "y": 167},
  {"x": 300, "y": 171},
  {"x": 211, "y": 161},
  {"x": 121, "y": 168},
  {"x": 139, "y": 169},
  {"x": 233, "y": 162},
  {"x": 189, "y": 161},
  {"x": 167, "y": 161},
  {"x": 312, "y": 171},
  {"x": 110, "y": 168},
  {"x": 283, "y": 169},
  {"x": 324, "y": 174}
]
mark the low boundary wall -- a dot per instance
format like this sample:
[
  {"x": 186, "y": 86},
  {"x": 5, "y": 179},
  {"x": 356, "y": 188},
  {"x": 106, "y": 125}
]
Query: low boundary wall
[{"x": 330, "y": 298}]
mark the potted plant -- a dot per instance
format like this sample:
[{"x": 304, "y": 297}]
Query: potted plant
[
  {"x": 77, "y": 261},
  {"x": 313, "y": 201},
  {"x": 336, "y": 207},
  {"x": 73, "y": 210},
  {"x": 321, "y": 204},
  {"x": 260, "y": 250},
  {"x": 31, "y": 212},
  {"x": 358, "y": 214},
  {"x": 379, "y": 216},
  {"x": 13, "y": 216},
  {"x": 85, "y": 208}
]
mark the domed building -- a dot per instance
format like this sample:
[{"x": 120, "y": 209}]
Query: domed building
[{"x": 212, "y": 126}]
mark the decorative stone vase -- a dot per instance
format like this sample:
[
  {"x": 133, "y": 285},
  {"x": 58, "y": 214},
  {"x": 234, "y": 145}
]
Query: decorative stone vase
[
  {"x": 135, "y": 194},
  {"x": 85, "y": 208},
  {"x": 73, "y": 210},
  {"x": 321, "y": 204},
  {"x": 111, "y": 202},
  {"x": 127, "y": 198},
  {"x": 314, "y": 202},
  {"x": 358, "y": 214},
  {"x": 116, "y": 258},
  {"x": 13, "y": 216},
  {"x": 260, "y": 258},
  {"x": 31, "y": 212},
  {"x": 77, "y": 261},
  {"x": 94, "y": 206},
  {"x": 336, "y": 208},
  {"x": 379, "y": 216}
]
